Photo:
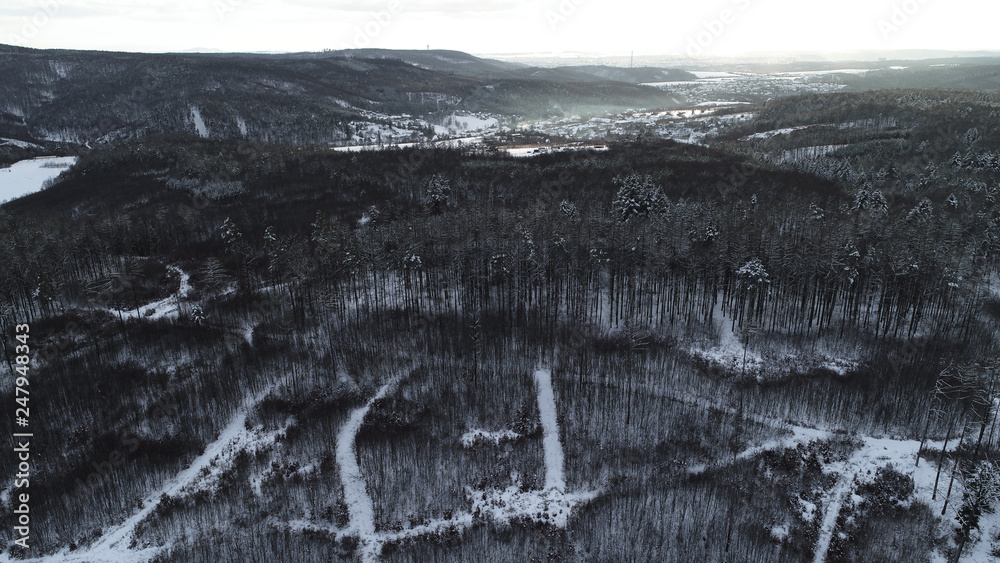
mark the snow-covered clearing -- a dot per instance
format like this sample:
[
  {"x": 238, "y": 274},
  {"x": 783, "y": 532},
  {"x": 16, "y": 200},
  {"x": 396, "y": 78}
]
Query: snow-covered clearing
[
  {"x": 862, "y": 467},
  {"x": 775, "y": 132},
  {"x": 465, "y": 122},
  {"x": 730, "y": 353},
  {"x": 17, "y": 143},
  {"x": 901, "y": 455},
  {"x": 551, "y": 506}
]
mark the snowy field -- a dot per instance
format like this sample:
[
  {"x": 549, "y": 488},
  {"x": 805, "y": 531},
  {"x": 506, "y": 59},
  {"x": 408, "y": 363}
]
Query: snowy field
[{"x": 28, "y": 176}]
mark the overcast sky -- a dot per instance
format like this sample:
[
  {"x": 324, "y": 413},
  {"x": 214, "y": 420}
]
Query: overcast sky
[{"x": 705, "y": 27}]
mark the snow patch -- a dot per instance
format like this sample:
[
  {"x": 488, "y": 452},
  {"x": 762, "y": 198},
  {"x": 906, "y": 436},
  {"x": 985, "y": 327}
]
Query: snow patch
[
  {"x": 552, "y": 506},
  {"x": 466, "y": 122},
  {"x": 199, "y": 123},
  {"x": 809, "y": 510},
  {"x": 18, "y": 143},
  {"x": 840, "y": 366},
  {"x": 775, "y": 132},
  {"x": 730, "y": 354},
  {"x": 473, "y": 437}
]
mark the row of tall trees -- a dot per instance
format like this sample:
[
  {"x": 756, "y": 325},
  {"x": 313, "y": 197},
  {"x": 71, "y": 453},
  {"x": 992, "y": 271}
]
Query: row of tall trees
[{"x": 606, "y": 251}]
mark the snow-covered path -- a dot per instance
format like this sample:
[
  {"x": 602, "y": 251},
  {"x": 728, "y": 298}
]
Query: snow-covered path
[
  {"x": 800, "y": 435},
  {"x": 863, "y": 465},
  {"x": 555, "y": 478},
  {"x": 113, "y": 546},
  {"x": 360, "y": 509},
  {"x": 552, "y": 505},
  {"x": 835, "y": 501},
  {"x": 168, "y": 307}
]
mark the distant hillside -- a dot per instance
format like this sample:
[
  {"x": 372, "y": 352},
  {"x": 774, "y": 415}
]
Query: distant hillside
[
  {"x": 464, "y": 64},
  {"x": 634, "y": 75},
  {"x": 442, "y": 60},
  {"x": 86, "y": 96}
]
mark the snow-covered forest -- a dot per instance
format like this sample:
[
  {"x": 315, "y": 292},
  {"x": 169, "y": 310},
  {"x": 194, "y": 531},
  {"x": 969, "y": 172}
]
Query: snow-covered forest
[{"x": 775, "y": 342}]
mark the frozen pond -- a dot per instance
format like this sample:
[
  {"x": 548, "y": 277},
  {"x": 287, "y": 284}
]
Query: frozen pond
[{"x": 28, "y": 176}]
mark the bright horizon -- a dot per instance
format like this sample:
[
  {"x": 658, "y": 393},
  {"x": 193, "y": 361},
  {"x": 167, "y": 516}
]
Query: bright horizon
[{"x": 715, "y": 28}]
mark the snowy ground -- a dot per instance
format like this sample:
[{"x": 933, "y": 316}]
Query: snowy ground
[
  {"x": 730, "y": 354},
  {"x": 775, "y": 132},
  {"x": 17, "y": 143}
]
